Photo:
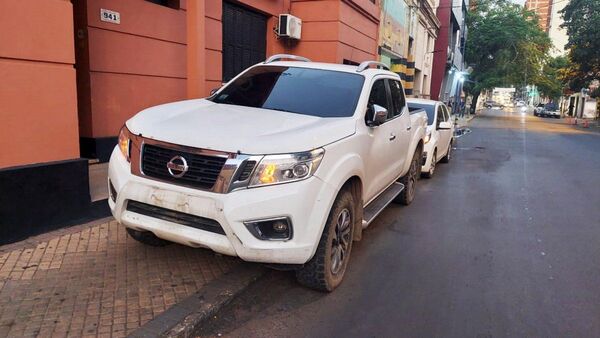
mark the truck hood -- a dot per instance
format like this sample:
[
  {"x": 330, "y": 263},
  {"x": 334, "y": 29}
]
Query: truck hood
[{"x": 204, "y": 124}]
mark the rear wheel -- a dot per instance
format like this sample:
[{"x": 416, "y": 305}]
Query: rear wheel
[
  {"x": 431, "y": 171},
  {"x": 410, "y": 180},
  {"x": 325, "y": 271},
  {"x": 146, "y": 237}
]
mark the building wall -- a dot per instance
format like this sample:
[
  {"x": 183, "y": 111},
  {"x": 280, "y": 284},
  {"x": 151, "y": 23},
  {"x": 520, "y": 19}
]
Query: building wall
[
  {"x": 543, "y": 8},
  {"x": 441, "y": 48},
  {"x": 38, "y": 102},
  {"x": 43, "y": 182},
  {"x": 427, "y": 31},
  {"x": 124, "y": 68},
  {"x": 557, "y": 34}
]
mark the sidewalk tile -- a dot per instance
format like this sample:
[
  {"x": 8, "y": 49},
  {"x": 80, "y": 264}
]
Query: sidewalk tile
[{"x": 94, "y": 280}]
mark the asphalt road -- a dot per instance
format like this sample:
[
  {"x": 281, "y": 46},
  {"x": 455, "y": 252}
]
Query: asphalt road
[{"x": 503, "y": 241}]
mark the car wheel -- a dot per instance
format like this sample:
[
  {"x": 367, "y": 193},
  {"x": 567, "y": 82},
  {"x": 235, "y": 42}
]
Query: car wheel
[
  {"x": 410, "y": 180},
  {"x": 146, "y": 237},
  {"x": 431, "y": 171},
  {"x": 325, "y": 271},
  {"x": 446, "y": 158}
]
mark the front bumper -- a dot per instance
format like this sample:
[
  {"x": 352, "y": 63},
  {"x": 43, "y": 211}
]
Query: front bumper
[
  {"x": 305, "y": 203},
  {"x": 426, "y": 160}
]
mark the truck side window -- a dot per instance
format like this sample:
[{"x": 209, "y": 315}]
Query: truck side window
[
  {"x": 378, "y": 96},
  {"x": 397, "y": 97}
]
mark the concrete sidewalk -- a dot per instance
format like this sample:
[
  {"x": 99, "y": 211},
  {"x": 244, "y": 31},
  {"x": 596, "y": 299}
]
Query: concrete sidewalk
[{"x": 94, "y": 280}]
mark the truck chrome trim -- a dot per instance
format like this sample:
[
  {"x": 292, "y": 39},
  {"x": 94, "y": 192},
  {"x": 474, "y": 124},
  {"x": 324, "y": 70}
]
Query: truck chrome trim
[{"x": 226, "y": 180}]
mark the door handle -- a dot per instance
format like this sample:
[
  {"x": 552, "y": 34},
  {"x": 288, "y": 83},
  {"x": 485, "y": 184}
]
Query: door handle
[
  {"x": 392, "y": 137},
  {"x": 409, "y": 128}
]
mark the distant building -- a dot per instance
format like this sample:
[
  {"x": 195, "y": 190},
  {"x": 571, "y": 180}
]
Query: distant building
[
  {"x": 557, "y": 34},
  {"x": 426, "y": 33},
  {"x": 543, "y": 8},
  {"x": 449, "y": 65}
]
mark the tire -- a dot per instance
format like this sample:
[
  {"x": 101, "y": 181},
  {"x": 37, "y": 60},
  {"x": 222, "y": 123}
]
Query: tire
[
  {"x": 446, "y": 158},
  {"x": 410, "y": 180},
  {"x": 147, "y": 237},
  {"x": 325, "y": 270},
  {"x": 431, "y": 171}
]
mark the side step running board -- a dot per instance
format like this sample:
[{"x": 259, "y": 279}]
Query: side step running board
[{"x": 378, "y": 204}]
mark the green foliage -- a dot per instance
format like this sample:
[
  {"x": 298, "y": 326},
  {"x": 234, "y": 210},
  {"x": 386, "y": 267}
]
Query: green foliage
[
  {"x": 581, "y": 20},
  {"x": 549, "y": 82},
  {"x": 505, "y": 46}
]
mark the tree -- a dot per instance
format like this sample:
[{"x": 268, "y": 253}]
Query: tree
[
  {"x": 505, "y": 46},
  {"x": 581, "y": 19},
  {"x": 549, "y": 83}
]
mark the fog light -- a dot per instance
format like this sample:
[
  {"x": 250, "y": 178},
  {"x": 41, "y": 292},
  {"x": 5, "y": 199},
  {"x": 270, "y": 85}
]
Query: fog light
[{"x": 278, "y": 229}]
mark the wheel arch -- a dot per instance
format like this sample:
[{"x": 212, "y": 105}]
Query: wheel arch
[{"x": 355, "y": 185}]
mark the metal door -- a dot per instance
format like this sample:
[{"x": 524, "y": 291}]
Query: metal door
[{"x": 244, "y": 39}]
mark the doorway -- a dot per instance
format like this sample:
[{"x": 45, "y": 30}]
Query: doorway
[{"x": 244, "y": 39}]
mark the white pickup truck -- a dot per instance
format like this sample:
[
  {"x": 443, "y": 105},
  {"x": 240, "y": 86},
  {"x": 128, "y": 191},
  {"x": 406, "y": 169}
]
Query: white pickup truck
[{"x": 286, "y": 164}]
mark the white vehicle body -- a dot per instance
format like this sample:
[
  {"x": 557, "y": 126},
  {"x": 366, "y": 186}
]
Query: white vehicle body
[
  {"x": 439, "y": 135},
  {"x": 351, "y": 151}
]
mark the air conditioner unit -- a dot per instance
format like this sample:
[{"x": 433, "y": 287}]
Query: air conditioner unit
[{"x": 289, "y": 26}]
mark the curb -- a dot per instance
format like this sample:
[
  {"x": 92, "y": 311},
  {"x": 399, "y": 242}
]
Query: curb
[{"x": 187, "y": 316}]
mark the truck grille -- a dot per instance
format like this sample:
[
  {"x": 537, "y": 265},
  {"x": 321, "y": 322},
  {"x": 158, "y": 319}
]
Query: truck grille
[
  {"x": 169, "y": 215},
  {"x": 202, "y": 173}
]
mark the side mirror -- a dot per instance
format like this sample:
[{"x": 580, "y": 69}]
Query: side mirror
[
  {"x": 377, "y": 115},
  {"x": 213, "y": 91},
  {"x": 444, "y": 125}
]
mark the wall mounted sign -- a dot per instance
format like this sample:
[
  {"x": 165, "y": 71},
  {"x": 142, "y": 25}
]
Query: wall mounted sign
[{"x": 110, "y": 16}]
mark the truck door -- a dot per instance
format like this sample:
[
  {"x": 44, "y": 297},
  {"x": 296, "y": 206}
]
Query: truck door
[
  {"x": 401, "y": 127},
  {"x": 380, "y": 165}
]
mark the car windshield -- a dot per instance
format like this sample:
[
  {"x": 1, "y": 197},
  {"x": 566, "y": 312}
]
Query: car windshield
[
  {"x": 429, "y": 109},
  {"x": 306, "y": 91}
]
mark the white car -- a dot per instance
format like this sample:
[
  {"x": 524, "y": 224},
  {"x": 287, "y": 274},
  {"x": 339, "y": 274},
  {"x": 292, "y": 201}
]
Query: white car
[
  {"x": 440, "y": 134},
  {"x": 286, "y": 164}
]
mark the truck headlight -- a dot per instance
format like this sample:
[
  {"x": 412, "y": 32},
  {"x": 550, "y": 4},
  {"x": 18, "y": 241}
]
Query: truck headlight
[
  {"x": 125, "y": 143},
  {"x": 276, "y": 169}
]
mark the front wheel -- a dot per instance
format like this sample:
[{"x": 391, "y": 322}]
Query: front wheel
[
  {"x": 410, "y": 180},
  {"x": 325, "y": 271},
  {"x": 446, "y": 158}
]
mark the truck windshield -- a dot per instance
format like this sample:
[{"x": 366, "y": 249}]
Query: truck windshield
[
  {"x": 306, "y": 91},
  {"x": 428, "y": 108}
]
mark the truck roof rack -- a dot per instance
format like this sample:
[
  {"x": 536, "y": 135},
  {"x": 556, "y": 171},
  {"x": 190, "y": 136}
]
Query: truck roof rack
[
  {"x": 278, "y": 57},
  {"x": 366, "y": 64}
]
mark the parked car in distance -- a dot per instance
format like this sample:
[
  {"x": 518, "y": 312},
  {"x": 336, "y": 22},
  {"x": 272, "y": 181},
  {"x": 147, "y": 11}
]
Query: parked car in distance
[
  {"x": 520, "y": 103},
  {"x": 286, "y": 164},
  {"x": 493, "y": 104},
  {"x": 440, "y": 134},
  {"x": 538, "y": 110},
  {"x": 551, "y": 110}
]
